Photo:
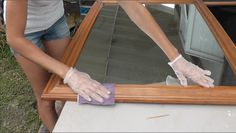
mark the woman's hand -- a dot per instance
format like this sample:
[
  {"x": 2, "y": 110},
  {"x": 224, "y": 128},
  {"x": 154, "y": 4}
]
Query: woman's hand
[
  {"x": 86, "y": 87},
  {"x": 184, "y": 69}
]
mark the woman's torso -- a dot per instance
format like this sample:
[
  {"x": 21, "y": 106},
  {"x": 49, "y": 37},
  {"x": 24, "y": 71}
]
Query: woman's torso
[{"x": 42, "y": 14}]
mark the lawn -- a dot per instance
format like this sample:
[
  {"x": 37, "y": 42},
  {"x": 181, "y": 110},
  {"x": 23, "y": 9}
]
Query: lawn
[{"x": 18, "y": 111}]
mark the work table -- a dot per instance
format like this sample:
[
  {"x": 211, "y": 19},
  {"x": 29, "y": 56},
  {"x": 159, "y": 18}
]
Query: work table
[{"x": 146, "y": 118}]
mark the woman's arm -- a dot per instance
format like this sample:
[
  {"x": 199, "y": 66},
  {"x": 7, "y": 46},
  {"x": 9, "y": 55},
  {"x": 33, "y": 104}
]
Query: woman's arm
[
  {"x": 16, "y": 15},
  {"x": 144, "y": 20},
  {"x": 182, "y": 68},
  {"x": 79, "y": 82}
]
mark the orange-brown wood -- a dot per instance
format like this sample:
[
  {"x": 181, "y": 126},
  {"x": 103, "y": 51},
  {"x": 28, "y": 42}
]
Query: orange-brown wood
[
  {"x": 223, "y": 2},
  {"x": 221, "y": 36},
  {"x": 152, "y": 1},
  {"x": 150, "y": 93},
  {"x": 220, "y": 3},
  {"x": 160, "y": 94}
]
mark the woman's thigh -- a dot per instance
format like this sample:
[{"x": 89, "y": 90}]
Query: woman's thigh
[
  {"x": 56, "y": 48},
  {"x": 37, "y": 76},
  {"x": 57, "y": 38}
]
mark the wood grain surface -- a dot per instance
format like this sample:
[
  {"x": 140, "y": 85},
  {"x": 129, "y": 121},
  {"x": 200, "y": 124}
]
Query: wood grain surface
[{"x": 221, "y": 95}]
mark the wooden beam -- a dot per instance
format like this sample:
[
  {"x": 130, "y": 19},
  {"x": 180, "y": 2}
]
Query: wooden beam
[
  {"x": 220, "y": 95},
  {"x": 221, "y": 3},
  {"x": 152, "y": 1}
]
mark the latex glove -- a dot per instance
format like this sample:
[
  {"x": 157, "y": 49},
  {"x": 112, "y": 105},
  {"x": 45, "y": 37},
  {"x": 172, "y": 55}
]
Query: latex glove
[
  {"x": 184, "y": 69},
  {"x": 86, "y": 87}
]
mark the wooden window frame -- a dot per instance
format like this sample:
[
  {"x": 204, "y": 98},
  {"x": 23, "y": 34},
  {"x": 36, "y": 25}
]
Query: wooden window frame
[{"x": 223, "y": 95}]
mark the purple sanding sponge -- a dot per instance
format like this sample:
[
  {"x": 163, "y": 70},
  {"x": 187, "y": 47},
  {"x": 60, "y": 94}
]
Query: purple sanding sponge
[{"x": 109, "y": 101}]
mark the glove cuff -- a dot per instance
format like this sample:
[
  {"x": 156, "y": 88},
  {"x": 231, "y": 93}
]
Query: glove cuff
[
  {"x": 175, "y": 60},
  {"x": 68, "y": 75}
]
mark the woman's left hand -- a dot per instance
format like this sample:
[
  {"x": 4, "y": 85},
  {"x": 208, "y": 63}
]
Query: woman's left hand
[{"x": 184, "y": 69}]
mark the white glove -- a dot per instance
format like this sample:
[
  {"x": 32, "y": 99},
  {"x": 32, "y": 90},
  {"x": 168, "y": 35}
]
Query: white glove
[
  {"x": 86, "y": 87},
  {"x": 184, "y": 69}
]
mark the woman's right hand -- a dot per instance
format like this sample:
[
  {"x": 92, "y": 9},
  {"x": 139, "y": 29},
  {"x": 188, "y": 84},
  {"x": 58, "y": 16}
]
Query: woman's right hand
[{"x": 86, "y": 87}]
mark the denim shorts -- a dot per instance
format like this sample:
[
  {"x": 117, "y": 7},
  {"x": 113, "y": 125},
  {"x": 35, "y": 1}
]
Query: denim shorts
[{"x": 58, "y": 30}]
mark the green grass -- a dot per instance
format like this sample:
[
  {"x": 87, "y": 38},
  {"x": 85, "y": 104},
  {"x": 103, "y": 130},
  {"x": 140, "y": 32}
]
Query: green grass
[{"x": 18, "y": 111}]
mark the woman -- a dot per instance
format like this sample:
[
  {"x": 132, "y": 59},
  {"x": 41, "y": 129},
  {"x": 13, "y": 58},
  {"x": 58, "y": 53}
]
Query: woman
[
  {"x": 38, "y": 34},
  {"x": 31, "y": 25}
]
